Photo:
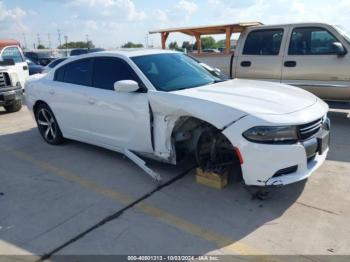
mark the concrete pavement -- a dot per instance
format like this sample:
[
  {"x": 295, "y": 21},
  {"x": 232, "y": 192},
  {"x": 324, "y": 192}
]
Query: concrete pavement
[{"x": 80, "y": 199}]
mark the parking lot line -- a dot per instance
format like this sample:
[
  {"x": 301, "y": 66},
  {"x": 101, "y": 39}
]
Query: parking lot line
[{"x": 226, "y": 244}]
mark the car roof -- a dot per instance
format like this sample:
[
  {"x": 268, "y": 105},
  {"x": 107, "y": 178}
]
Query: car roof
[
  {"x": 301, "y": 24},
  {"x": 131, "y": 52},
  {"x": 125, "y": 52}
]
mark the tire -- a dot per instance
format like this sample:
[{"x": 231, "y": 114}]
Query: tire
[
  {"x": 14, "y": 107},
  {"x": 47, "y": 125}
]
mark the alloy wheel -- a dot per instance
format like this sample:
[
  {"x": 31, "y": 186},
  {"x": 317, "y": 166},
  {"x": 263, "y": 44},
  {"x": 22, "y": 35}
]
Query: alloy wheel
[{"x": 47, "y": 124}]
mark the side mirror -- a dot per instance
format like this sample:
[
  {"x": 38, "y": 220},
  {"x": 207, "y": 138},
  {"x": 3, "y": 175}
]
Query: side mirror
[
  {"x": 126, "y": 86},
  {"x": 339, "y": 49}
]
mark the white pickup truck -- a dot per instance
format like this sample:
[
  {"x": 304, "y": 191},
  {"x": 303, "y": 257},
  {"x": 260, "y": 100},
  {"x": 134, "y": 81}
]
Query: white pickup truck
[
  {"x": 313, "y": 56},
  {"x": 13, "y": 74}
]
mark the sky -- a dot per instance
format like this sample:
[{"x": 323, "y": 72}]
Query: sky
[{"x": 111, "y": 23}]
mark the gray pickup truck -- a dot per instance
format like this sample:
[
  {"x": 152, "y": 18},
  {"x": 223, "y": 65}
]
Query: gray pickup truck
[{"x": 312, "y": 56}]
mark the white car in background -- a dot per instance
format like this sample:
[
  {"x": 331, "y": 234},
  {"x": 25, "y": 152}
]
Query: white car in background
[{"x": 165, "y": 105}]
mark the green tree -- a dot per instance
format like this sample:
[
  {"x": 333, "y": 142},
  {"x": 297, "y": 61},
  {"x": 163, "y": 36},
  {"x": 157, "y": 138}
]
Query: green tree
[
  {"x": 173, "y": 45},
  {"x": 186, "y": 45},
  {"x": 78, "y": 44},
  {"x": 41, "y": 46},
  {"x": 221, "y": 43},
  {"x": 207, "y": 42},
  {"x": 132, "y": 45}
]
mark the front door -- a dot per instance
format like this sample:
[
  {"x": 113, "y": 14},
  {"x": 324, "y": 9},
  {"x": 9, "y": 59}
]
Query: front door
[
  {"x": 118, "y": 119},
  {"x": 312, "y": 63}
]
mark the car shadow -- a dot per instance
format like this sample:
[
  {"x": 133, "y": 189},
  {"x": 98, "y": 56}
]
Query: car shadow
[{"x": 237, "y": 211}]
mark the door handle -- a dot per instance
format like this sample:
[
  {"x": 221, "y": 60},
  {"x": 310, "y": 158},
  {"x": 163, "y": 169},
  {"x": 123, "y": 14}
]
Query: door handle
[
  {"x": 290, "y": 64},
  {"x": 25, "y": 67},
  {"x": 52, "y": 92},
  {"x": 92, "y": 101},
  {"x": 246, "y": 63}
]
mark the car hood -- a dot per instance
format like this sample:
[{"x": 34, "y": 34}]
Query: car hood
[{"x": 253, "y": 97}]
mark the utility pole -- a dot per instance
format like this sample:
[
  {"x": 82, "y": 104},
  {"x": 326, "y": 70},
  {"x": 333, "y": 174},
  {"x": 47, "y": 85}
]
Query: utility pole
[
  {"x": 66, "y": 40},
  {"x": 49, "y": 39},
  {"x": 146, "y": 41},
  {"x": 87, "y": 40},
  {"x": 59, "y": 37},
  {"x": 39, "y": 41},
  {"x": 25, "y": 40}
]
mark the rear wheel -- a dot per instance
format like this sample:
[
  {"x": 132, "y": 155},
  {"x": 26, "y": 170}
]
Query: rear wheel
[
  {"x": 48, "y": 126},
  {"x": 14, "y": 107}
]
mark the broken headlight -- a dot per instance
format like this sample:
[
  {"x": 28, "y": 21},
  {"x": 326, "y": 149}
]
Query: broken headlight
[{"x": 272, "y": 134}]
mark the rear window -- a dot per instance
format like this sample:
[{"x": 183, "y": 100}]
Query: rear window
[
  {"x": 263, "y": 42},
  {"x": 77, "y": 72},
  {"x": 59, "y": 74}
]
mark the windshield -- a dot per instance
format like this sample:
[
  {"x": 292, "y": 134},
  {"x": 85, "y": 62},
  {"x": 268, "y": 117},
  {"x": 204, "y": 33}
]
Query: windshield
[
  {"x": 171, "y": 72},
  {"x": 345, "y": 34}
]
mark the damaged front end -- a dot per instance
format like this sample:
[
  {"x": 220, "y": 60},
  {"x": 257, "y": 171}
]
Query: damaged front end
[
  {"x": 185, "y": 128},
  {"x": 215, "y": 153},
  {"x": 195, "y": 139}
]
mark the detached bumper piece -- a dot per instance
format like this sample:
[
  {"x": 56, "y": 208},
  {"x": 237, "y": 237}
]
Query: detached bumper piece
[{"x": 142, "y": 164}]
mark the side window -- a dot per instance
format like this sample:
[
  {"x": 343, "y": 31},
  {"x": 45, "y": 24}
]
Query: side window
[
  {"x": 108, "y": 70},
  {"x": 263, "y": 42},
  {"x": 59, "y": 74},
  {"x": 78, "y": 72},
  {"x": 311, "y": 41},
  {"x": 12, "y": 53}
]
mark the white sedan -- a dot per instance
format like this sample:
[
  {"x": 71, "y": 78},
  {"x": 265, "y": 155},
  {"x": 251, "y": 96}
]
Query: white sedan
[{"x": 167, "y": 106}]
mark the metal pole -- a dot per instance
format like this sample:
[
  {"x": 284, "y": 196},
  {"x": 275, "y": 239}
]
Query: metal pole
[
  {"x": 87, "y": 40},
  {"x": 59, "y": 37},
  {"x": 49, "y": 39},
  {"x": 39, "y": 41},
  {"x": 25, "y": 40},
  {"x": 66, "y": 40}
]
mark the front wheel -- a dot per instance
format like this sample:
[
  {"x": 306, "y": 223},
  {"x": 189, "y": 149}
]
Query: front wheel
[{"x": 48, "y": 126}]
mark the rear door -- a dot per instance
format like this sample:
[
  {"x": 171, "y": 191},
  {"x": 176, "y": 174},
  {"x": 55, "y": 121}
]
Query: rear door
[
  {"x": 68, "y": 100},
  {"x": 21, "y": 66},
  {"x": 312, "y": 63},
  {"x": 261, "y": 55}
]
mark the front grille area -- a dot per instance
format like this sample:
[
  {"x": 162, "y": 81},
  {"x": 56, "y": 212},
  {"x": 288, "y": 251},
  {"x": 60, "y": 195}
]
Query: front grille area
[
  {"x": 4, "y": 80},
  {"x": 309, "y": 130}
]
